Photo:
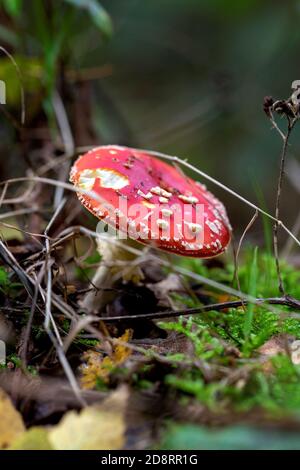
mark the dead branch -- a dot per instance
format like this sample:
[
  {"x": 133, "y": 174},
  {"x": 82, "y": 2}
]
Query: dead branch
[{"x": 284, "y": 301}]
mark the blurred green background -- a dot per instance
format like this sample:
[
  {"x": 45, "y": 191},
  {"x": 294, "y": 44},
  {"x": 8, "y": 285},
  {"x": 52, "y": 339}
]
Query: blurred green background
[{"x": 183, "y": 77}]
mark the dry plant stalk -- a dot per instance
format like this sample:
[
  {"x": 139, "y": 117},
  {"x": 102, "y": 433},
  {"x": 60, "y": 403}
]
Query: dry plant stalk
[{"x": 290, "y": 109}]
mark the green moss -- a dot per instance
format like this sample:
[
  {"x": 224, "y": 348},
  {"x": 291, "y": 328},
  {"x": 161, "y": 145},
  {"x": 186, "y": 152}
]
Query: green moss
[{"x": 272, "y": 385}]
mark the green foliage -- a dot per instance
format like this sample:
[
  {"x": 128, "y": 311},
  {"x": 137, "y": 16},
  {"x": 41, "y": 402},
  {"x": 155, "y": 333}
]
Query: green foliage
[
  {"x": 97, "y": 13},
  {"x": 15, "y": 359},
  {"x": 275, "y": 388},
  {"x": 49, "y": 29},
  {"x": 252, "y": 288},
  {"x": 13, "y": 7},
  {"x": 266, "y": 277},
  {"x": 87, "y": 342},
  {"x": 32, "y": 72},
  {"x": 277, "y": 391},
  {"x": 3, "y": 277},
  {"x": 6, "y": 286},
  {"x": 193, "y": 437},
  {"x": 247, "y": 328},
  {"x": 205, "y": 345},
  {"x": 271, "y": 385},
  {"x": 192, "y": 384},
  {"x": 83, "y": 274}
]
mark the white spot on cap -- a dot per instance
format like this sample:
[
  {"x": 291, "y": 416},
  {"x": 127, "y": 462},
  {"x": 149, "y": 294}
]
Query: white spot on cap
[
  {"x": 188, "y": 199},
  {"x": 148, "y": 204},
  {"x": 160, "y": 192},
  {"x": 194, "y": 228},
  {"x": 145, "y": 196},
  {"x": 212, "y": 226},
  {"x": 112, "y": 178},
  {"x": 218, "y": 224},
  {"x": 219, "y": 244},
  {"x": 108, "y": 179},
  {"x": 163, "y": 200},
  {"x": 86, "y": 180}
]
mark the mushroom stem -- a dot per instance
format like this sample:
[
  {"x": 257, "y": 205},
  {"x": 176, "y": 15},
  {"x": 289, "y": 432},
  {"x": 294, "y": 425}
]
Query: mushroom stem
[{"x": 110, "y": 271}]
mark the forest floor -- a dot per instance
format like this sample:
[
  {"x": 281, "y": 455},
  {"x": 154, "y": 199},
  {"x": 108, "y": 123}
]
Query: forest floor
[{"x": 164, "y": 376}]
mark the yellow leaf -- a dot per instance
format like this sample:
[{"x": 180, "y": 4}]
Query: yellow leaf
[
  {"x": 11, "y": 422},
  {"x": 10, "y": 233},
  {"x": 31, "y": 69},
  {"x": 98, "y": 427},
  {"x": 98, "y": 367},
  {"x": 34, "y": 439}
]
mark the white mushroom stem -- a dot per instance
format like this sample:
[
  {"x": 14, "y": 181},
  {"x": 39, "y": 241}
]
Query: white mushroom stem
[{"x": 113, "y": 257}]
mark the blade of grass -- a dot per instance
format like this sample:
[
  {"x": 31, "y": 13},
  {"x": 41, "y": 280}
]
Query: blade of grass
[
  {"x": 252, "y": 291},
  {"x": 267, "y": 226}
]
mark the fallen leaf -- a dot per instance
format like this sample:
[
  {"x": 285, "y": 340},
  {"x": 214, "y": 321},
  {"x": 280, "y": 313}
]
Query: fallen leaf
[
  {"x": 163, "y": 289},
  {"x": 97, "y": 367},
  {"x": 11, "y": 422},
  {"x": 99, "y": 427},
  {"x": 295, "y": 352},
  {"x": 35, "y": 438},
  {"x": 278, "y": 344},
  {"x": 8, "y": 231}
]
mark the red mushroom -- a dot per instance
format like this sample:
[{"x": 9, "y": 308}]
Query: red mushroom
[{"x": 151, "y": 201}]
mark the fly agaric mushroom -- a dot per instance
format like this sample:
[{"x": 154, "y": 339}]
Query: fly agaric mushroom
[{"x": 149, "y": 201}]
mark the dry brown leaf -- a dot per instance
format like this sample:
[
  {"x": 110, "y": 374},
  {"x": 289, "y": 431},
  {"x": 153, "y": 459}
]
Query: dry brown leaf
[
  {"x": 163, "y": 289},
  {"x": 272, "y": 347},
  {"x": 295, "y": 352},
  {"x": 278, "y": 344},
  {"x": 99, "y": 427},
  {"x": 11, "y": 422},
  {"x": 98, "y": 367}
]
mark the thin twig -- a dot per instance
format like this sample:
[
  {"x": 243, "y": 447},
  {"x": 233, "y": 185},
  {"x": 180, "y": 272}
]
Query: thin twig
[
  {"x": 30, "y": 319},
  {"x": 4, "y": 190},
  {"x": 285, "y": 137},
  {"x": 236, "y": 257},
  {"x": 285, "y": 301},
  {"x": 48, "y": 314},
  {"x": 10, "y": 214},
  {"x": 11, "y": 261},
  {"x": 275, "y": 125}
]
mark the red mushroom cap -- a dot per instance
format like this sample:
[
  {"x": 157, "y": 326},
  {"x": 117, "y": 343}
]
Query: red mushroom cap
[{"x": 151, "y": 201}]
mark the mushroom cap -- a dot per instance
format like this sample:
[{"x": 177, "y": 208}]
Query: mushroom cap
[{"x": 151, "y": 201}]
